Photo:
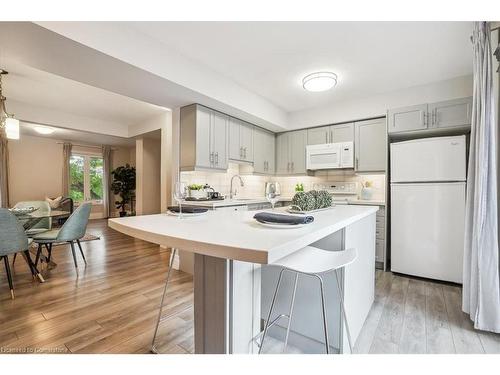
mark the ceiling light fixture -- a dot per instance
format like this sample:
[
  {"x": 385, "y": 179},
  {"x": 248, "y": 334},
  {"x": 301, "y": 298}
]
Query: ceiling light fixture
[
  {"x": 7, "y": 120},
  {"x": 45, "y": 130},
  {"x": 319, "y": 81}
]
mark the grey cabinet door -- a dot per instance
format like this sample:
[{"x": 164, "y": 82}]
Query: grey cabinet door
[
  {"x": 282, "y": 153},
  {"x": 203, "y": 138},
  {"x": 342, "y": 133},
  {"x": 264, "y": 152},
  {"x": 246, "y": 141},
  {"x": 219, "y": 137},
  {"x": 235, "y": 152},
  {"x": 370, "y": 145},
  {"x": 407, "y": 119},
  {"x": 270, "y": 153},
  {"x": 318, "y": 136},
  {"x": 451, "y": 113},
  {"x": 298, "y": 143}
]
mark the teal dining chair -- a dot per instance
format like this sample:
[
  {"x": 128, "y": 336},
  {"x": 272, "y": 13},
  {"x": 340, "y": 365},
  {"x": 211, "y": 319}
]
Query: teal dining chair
[
  {"x": 44, "y": 224},
  {"x": 13, "y": 240},
  {"x": 72, "y": 231}
]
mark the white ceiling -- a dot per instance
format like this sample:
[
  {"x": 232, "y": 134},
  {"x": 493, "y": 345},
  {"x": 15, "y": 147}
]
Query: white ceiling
[
  {"x": 370, "y": 58},
  {"x": 42, "y": 89}
]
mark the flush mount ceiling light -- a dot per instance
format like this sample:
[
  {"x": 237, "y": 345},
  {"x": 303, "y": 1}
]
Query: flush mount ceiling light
[
  {"x": 45, "y": 130},
  {"x": 7, "y": 120},
  {"x": 320, "y": 81}
]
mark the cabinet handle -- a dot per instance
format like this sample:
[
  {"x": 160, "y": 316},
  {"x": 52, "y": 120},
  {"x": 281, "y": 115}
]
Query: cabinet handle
[
  {"x": 211, "y": 158},
  {"x": 434, "y": 118},
  {"x": 293, "y": 165},
  {"x": 426, "y": 115},
  {"x": 244, "y": 152},
  {"x": 288, "y": 167},
  {"x": 216, "y": 158},
  {"x": 357, "y": 163}
]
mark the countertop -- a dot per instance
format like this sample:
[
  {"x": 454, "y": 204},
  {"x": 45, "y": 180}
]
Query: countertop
[
  {"x": 235, "y": 234},
  {"x": 247, "y": 201}
]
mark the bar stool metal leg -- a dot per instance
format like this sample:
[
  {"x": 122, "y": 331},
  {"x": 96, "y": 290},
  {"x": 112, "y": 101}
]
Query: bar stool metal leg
[
  {"x": 271, "y": 310},
  {"x": 172, "y": 257},
  {"x": 343, "y": 310},
  {"x": 291, "y": 312},
  {"x": 323, "y": 307}
]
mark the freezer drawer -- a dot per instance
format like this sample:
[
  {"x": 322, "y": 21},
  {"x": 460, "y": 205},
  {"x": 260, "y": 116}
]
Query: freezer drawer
[
  {"x": 427, "y": 230},
  {"x": 429, "y": 159}
]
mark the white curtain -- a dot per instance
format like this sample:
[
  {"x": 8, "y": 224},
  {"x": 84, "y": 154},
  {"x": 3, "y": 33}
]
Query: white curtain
[
  {"x": 481, "y": 284},
  {"x": 107, "y": 201}
]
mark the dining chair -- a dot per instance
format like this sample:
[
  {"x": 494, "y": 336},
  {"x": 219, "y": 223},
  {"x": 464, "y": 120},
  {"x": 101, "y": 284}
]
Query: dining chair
[
  {"x": 72, "y": 231},
  {"x": 44, "y": 224},
  {"x": 13, "y": 240}
]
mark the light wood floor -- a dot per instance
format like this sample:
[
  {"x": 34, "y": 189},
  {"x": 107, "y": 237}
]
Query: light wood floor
[{"x": 111, "y": 306}]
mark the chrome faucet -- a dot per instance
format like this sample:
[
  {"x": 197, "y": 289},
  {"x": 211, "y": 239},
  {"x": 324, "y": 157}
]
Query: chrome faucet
[{"x": 231, "y": 194}]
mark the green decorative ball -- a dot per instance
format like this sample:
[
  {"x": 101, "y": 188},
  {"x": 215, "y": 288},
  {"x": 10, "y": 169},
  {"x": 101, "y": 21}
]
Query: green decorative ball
[{"x": 305, "y": 201}]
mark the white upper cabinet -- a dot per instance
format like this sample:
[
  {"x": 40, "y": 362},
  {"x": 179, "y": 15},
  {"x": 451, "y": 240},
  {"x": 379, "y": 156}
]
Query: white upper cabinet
[
  {"x": 451, "y": 113},
  {"x": 433, "y": 116},
  {"x": 406, "y": 119},
  {"x": 204, "y": 136},
  {"x": 264, "y": 152},
  {"x": 331, "y": 134},
  {"x": 241, "y": 142},
  {"x": 370, "y": 145}
]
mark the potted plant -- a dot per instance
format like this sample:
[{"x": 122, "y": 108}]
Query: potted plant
[
  {"x": 197, "y": 191},
  {"x": 123, "y": 185}
]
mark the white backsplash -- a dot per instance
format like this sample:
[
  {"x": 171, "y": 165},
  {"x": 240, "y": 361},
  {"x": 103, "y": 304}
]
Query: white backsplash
[{"x": 255, "y": 185}]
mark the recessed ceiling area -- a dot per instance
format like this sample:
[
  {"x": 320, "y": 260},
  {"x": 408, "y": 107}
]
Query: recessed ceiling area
[
  {"x": 40, "y": 89},
  {"x": 370, "y": 58}
]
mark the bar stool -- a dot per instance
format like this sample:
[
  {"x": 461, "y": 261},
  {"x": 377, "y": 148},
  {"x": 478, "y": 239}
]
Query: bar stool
[{"x": 314, "y": 262}]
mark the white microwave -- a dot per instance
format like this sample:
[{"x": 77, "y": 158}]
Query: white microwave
[{"x": 330, "y": 156}]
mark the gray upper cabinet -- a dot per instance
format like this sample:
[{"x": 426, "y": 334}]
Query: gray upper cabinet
[
  {"x": 264, "y": 152},
  {"x": 331, "y": 134},
  {"x": 407, "y": 118},
  {"x": 291, "y": 152},
  {"x": 241, "y": 142},
  {"x": 203, "y": 138},
  {"x": 318, "y": 136},
  {"x": 434, "y": 116},
  {"x": 370, "y": 145},
  {"x": 342, "y": 133},
  {"x": 451, "y": 113}
]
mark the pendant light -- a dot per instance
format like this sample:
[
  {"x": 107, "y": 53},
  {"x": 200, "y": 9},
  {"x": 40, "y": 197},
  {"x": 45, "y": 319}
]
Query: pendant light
[{"x": 7, "y": 121}]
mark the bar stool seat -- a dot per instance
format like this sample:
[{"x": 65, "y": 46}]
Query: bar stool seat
[{"x": 314, "y": 262}]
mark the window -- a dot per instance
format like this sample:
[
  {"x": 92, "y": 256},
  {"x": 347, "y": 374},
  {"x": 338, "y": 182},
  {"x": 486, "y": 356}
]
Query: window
[{"x": 86, "y": 175}]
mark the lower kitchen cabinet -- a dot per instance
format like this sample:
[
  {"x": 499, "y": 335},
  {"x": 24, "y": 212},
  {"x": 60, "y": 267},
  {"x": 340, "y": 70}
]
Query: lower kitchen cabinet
[
  {"x": 370, "y": 145},
  {"x": 380, "y": 247}
]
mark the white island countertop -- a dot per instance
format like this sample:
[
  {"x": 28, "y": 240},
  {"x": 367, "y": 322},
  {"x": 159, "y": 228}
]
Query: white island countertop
[{"x": 236, "y": 235}]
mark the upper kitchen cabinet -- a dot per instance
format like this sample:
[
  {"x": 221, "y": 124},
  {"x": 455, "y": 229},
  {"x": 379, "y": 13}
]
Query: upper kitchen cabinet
[
  {"x": 331, "y": 134},
  {"x": 444, "y": 115},
  {"x": 203, "y": 139},
  {"x": 451, "y": 113},
  {"x": 264, "y": 152},
  {"x": 318, "y": 136},
  {"x": 291, "y": 152},
  {"x": 406, "y": 119},
  {"x": 241, "y": 145},
  {"x": 370, "y": 145}
]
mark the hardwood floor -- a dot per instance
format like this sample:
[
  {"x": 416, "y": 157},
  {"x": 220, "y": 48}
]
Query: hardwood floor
[{"x": 111, "y": 306}]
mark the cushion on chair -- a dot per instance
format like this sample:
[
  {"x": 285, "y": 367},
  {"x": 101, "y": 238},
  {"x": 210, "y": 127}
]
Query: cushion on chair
[{"x": 48, "y": 236}]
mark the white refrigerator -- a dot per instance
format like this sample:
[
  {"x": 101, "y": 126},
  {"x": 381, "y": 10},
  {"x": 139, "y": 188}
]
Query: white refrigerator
[{"x": 428, "y": 207}]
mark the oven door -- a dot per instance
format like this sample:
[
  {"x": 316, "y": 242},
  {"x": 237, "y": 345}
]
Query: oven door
[{"x": 327, "y": 156}]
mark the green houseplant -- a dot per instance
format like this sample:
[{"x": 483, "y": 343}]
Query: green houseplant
[{"x": 123, "y": 185}]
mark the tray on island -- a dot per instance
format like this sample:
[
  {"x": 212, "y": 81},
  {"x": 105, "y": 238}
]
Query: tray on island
[
  {"x": 296, "y": 210},
  {"x": 192, "y": 199}
]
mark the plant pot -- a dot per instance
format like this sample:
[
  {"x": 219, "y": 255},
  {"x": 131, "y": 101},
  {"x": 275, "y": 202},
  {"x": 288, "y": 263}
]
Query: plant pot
[
  {"x": 197, "y": 194},
  {"x": 123, "y": 214}
]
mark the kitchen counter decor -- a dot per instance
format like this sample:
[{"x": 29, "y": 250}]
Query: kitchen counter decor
[{"x": 311, "y": 200}]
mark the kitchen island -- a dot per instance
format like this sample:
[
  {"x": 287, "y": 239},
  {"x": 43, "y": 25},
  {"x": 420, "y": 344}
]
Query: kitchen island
[{"x": 232, "y": 283}]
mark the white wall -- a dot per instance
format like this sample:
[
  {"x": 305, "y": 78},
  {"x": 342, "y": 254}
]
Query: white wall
[
  {"x": 375, "y": 106},
  {"x": 148, "y": 163}
]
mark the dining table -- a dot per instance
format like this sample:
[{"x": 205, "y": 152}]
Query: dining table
[{"x": 29, "y": 220}]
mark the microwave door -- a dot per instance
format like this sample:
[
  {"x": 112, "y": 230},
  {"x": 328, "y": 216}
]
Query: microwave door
[{"x": 326, "y": 158}]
